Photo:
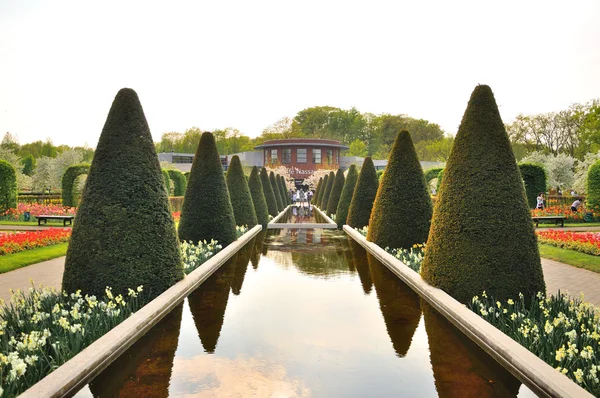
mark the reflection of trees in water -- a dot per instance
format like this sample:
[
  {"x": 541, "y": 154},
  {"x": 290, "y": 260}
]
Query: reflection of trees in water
[
  {"x": 208, "y": 304},
  {"x": 144, "y": 370},
  {"x": 460, "y": 367},
  {"x": 242, "y": 258},
  {"x": 359, "y": 255},
  {"x": 399, "y": 304},
  {"x": 257, "y": 248}
]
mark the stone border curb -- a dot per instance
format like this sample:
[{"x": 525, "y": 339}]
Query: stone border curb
[
  {"x": 536, "y": 374},
  {"x": 278, "y": 216},
  {"x": 325, "y": 216},
  {"x": 82, "y": 368},
  {"x": 301, "y": 226}
]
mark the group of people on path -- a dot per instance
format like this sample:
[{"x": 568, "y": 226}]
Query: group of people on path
[
  {"x": 575, "y": 206},
  {"x": 300, "y": 196}
]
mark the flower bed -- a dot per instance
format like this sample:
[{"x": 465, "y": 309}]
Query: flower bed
[
  {"x": 35, "y": 209},
  {"x": 18, "y": 242},
  {"x": 195, "y": 254},
  {"x": 44, "y": 329},
  {"x": 412, "y": 257},
  {"x": 561, "y": 210},
  {"x": 563, "y": 332},
  {"x": 584, "y": 242}
]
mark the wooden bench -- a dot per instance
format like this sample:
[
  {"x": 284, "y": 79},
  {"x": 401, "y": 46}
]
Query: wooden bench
[
  {"x": 67, "y": 220},
  {"x": 557, "y": 219}
]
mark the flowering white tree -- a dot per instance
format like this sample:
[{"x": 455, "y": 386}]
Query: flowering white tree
[
  {"x": 282, "y": 171},
  {"x": 313, "y": 180},
  {"x": 581, "y": 171},
  {"x": 49, "y": 171},
  {"x": 559, "y": 168}
]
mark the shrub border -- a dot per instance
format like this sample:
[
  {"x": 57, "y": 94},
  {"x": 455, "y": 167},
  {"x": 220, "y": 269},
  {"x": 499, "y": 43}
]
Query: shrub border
[
  {"x": 536, "y": 374},
  {"x": 82, "y": 368}
]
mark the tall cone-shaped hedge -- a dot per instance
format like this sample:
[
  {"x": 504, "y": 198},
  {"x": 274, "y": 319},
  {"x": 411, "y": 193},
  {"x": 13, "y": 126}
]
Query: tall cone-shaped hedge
[
  {"x": 268, "y": 191},
  {"x": 322, "y": 193},
  {"x": 593, "y": 187},
  {"x": 241, "y": 200},
  {"x": 276, "y": 191},
  {"x": 341, "y": 213},
  {"x": 327, "y": 192},
  {"x": 207, "y": 212},
  {"x": 8, "y": 186},
  {"x": 318, "y": 191},
  {"x": 363, "y": 196},
  {"x": 284, "y": 194},
  {"x": 167, "y": 179},
  {"x": 124, "y": 235},
  {"x": 336, "y": 192},
  {"x": 534, "y": 178},
  {"x": 279, "y": 189},
  {"x": 475, "y": 243},
  {"x": 258, "y": 198},
  {"x": 179, "y": 182},
  {"x": 402, "y": 210},
  {"x": 68, "y": 180}
]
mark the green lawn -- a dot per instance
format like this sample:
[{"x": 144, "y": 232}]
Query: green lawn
[
  {"x": 9, "y": 262},
  {"x": 571, "y": 224},
  {"x": 33, "y": 223},
  {"x": 571, "y": 257}
]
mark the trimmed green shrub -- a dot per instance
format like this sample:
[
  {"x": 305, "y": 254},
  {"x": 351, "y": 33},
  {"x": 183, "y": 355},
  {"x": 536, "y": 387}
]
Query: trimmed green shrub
[
  {"x": 167, "y": 179},
  {"x": 8, "y": 186},
  {"x": 363, "y": 195},
  {"x": 258, "y": 198},
  {"x": 276, "y": 191},
  {"x": 281, "y": 193},
  {"x": 179, "y": 182},
  {"x": 534, "y": 178},
  {"x": 327, "y": 192},
  {"x": 68, "y": 179},
  {"x": 341, "y": 213},
  {"x": 440, "y": 177},
  {"x": 402, "y": 209},
  {"x": 124, "y": 235},
  {"x": 318, "y": 191},
  {"x": 187, "y": 175},
  {"x": 593, "y": 188},
  {"x": 380, "y": 174},
  {"x": 241, "y": 200},
  {"x": 207, "y": 212},
  {"x": 432, "y": 173},
  {"x": 268, "y": 191},
  {"x": 336, "y": 192},
  {"x": 478, "y": 244},
  {"x": 322, "y": 193},
  {"x": 284, "y": 193}
]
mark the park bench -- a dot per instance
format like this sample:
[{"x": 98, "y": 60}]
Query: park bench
[
  {"x": 557, "y": 219},
  {"x": 67, "y": 220}
]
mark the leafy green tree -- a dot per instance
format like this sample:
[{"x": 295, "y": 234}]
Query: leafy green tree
[
  {"x": 358, "y": 148},
  {"x": 336, "y": 192},
  {"x": 269, "y": 194},
  {"x": 402, "y": 210},
  {"x": 68, "y": 180},
  {"x": 276, "y": 191},
  {"x": 28, "y": 163},
  {"x": 341, "y": 213},
  {"x": 207, "y": 212},
  {"x": 8, "y": 186},
  {"x": 258, "y": 197},
  {"x": 534, "y": 177},
  {"x": 474, "y": 248},
  {"x": 363, "y": 196},
  {"x": 241, "y": 200},
  {"x": 124, "y": 235},
  {"x": 327, "y": 192},
  {"x": 179, "y": 182}
]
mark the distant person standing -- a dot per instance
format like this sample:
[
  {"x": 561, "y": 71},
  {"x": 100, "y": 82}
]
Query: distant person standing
[
  {"x": 576, "y": 205},
  {"x": 540, "y": 201}
]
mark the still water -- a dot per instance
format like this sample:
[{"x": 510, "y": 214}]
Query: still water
[
  {"x": 304, "y": 313},
  {"x": 301, "y": 215}
]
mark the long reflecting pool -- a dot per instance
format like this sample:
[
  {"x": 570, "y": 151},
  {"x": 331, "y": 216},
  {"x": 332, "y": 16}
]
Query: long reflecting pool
[
  {"x": 301, "y": 215},
  {"x": 304, "y": 313}
]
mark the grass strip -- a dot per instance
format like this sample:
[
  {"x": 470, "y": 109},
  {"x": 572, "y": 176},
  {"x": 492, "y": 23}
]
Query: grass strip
[
  {"x": 571, "y": 257},
  {"x": 57, "y": 224},
  {"x": 13, "y": 261}
]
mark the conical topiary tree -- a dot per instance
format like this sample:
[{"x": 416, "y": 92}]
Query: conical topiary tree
[
  {"x": 281, "y": 193},
  {"x": 241, "y": 200},
  {"x": 268, "y": 191},
  {"x": 476, "y": 244},
  {"x": 179, "y": 182},
  {"x": 363, "y": 196},
  {"x": 258, "y": 198},
  {"x": 401, "y": 213},
  {"x": 8, "y": 186},
  {"x": 124, "y": 235},
  {"x": 284, "y": 195},
  {"x": 593, "y": 188},
  {"x": 327, "y": 192},
  {"x": 322, "y": 192},
  {"x": 207, "y": 212},
  {"x": 68, "y": 180},
  {"x": 167, "y": 179},
  {"x": 534, "y": 178},
  {"x": 341, "y": 213},
  {"x": 276, "y": 191},
  {"x": 318, "y": 191},
  {"x": 336, "y": 192}
]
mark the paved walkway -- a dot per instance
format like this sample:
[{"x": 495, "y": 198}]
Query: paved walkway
[
  {"x": 48, "y": 273},
  {"x": 572, "y": 280}
]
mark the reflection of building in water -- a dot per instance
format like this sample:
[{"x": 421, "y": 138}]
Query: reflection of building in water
[{"x": 460, "y": 367}]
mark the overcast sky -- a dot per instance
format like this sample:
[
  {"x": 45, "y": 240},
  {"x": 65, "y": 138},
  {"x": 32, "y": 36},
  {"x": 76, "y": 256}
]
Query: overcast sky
[{"x": 246, "y": 64}]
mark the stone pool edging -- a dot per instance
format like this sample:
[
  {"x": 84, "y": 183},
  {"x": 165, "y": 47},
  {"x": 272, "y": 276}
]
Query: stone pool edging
[
  {"x": 278, "y": 216},
  {"x": 540, "y": 377},
  {"x": 83, "y": 367},
  {"x": 325, "y": 216}
]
